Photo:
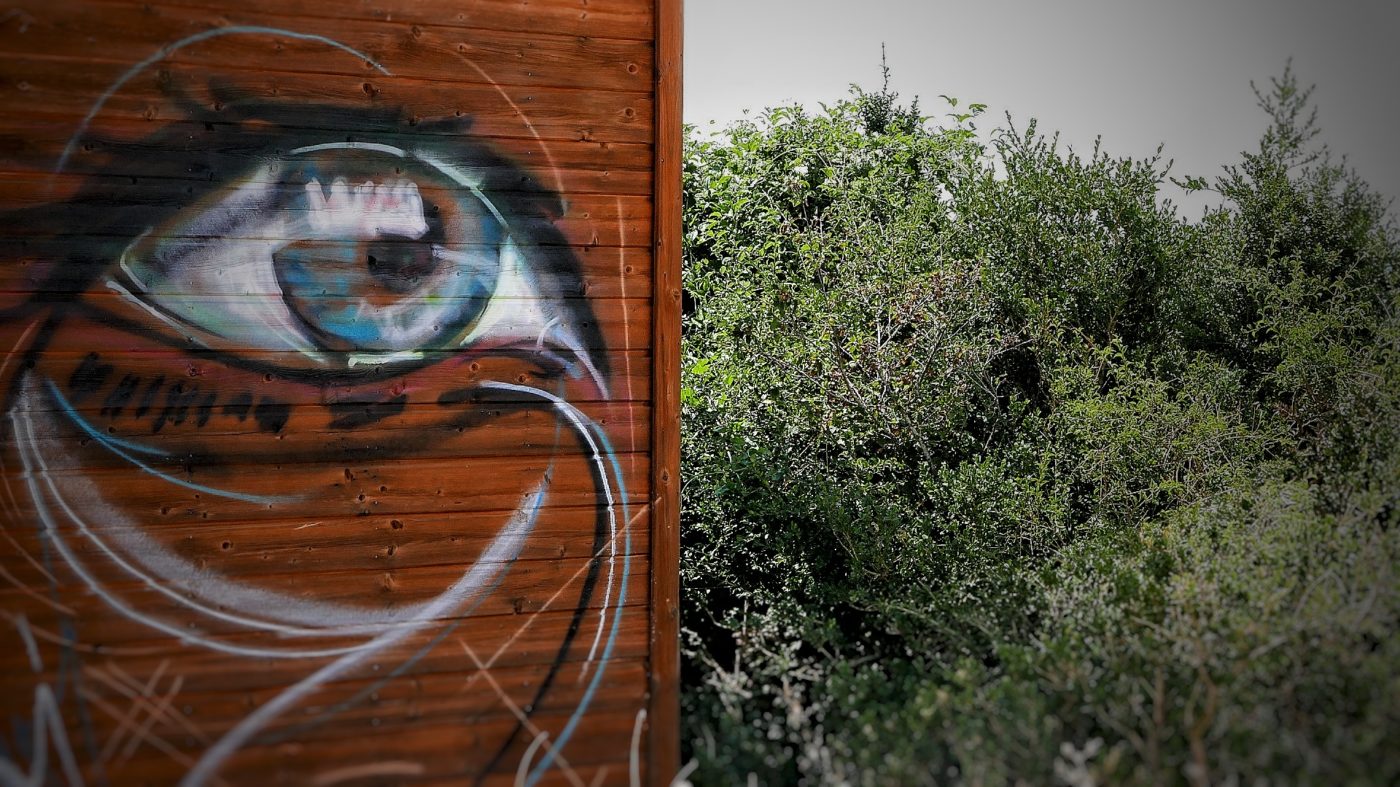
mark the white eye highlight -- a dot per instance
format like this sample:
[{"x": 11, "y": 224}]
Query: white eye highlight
[{"x": 367, "y": 211}]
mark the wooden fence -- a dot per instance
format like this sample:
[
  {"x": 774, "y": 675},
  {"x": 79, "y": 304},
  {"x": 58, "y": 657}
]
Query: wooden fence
[{"x": 340, "y": 358}]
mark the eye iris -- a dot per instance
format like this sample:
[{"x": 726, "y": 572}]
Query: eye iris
[{"x": 375, "y": 272}]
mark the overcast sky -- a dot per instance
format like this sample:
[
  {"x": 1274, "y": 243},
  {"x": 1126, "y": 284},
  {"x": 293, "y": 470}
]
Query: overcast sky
[{"x": 1136, "y": 72}]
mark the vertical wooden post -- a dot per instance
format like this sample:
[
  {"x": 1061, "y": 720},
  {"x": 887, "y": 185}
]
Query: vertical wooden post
[{"x": 666, "y": 346}]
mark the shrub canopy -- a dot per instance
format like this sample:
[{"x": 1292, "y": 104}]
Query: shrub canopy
[{"x": 997, "y": 469}]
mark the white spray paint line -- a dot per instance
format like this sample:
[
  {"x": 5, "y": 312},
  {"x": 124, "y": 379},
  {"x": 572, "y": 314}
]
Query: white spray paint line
[
  {"x": 47, "y": 721},
  {"x": 151, "y": 310},
  {"x": 162, "y": 707},
  {"x": 507, "y": 545},
  {"x": 11, "y": 500},
  {"x": 334, "y": 620},
  {"x": 683, "y": 775},
  {"x": 400, "y": 768},
  {"x": 520, "y": 715},
  {"x": 126, "y": 254},
  {"x": 634, "y": 758},
  {"x": 374, "y": 146},
  {"x": 530, "y": 621},
  {"x": 626, "y": 323},
  {"x": 33, "y": 473},
  {"x": 544, "y": 148},
  {"x": 113, "y": 742},
  {"x": 576, "y": 418},
  {"x": 138, "y": 696},
  {"x": 154, "y": 741},
  {"x": 30, "y": 647},
  {"x": 523, "y": 769}
]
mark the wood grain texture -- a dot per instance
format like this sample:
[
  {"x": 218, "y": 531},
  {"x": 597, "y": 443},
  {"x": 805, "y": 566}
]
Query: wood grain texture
[
  {"x": 30, "y": 144},
  {"x": 592, "y": 18},
  {"x": 330, "y": 350},
  {"x": 586, "y": 220},
  {"x": 36, "y": 265},
  {"x": 122, "y": 34},
  {"x": 666, "y": 453},
  {"x": 43, "y": 90}
]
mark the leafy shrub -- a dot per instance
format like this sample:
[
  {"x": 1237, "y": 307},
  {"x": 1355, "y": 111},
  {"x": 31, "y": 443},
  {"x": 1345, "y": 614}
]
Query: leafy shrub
[{"x": 997, "y": 470}]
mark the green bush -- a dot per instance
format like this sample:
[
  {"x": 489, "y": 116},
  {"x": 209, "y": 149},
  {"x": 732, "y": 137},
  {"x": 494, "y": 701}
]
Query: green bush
[{"x": 996, "y": 470}]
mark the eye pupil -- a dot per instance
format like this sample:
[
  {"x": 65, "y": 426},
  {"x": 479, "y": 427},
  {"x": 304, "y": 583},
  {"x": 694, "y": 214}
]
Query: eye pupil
[{"x": 400, "y": 266}]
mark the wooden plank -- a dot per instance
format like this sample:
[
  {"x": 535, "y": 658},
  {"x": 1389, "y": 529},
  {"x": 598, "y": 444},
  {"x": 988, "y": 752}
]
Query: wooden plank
[
  {"x": 42, "y": 90},
  {"x": 23, "y": 189},
  {"x": 30, "y": 144},
  {"x": 587, "y": 219},
  {"x": 251, "y": 380},
  {"x": 378, "y": 543},
  {"x": 430, "y": 699},
  {"x": 307, "y": 490},
  {"x": 37, "y": 265},
  {"x": 524, "y": 586},
  {"x": 516, "y": 647},
  {"x": 418, "y": 540},
  {"x": 524, "y": 638},
  {"x": 119, "y": 624},
  {"x": 590, "y": 18},
  {"x": 440, "y": 747},
  {"x": 109, "y": 316},
  {"x": 115, "y": 184},
  {"x": 120, "y": 34},
  {"x": 356, "y": 433},
  {"x": 130, "y": 151},
  {"x": 664, "y": 706},
  {"x": 443, "y": 750}
]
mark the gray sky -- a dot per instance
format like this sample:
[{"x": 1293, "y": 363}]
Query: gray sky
[{"x": 1136, "y": 72}]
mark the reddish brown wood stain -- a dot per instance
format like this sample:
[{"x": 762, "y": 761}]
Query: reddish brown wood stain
[{"x": 339, "y": 350}]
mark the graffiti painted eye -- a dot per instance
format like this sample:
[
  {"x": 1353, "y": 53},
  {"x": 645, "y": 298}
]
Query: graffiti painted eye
[
  {"x": 367, "y": 278},
  {"x": 343, "y": 254}
]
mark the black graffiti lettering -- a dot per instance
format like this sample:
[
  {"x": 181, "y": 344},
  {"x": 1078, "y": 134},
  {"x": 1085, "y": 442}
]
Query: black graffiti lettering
[
  {"x": 272, "y": 415},
  {"x": 177, "y": 406},
  {"x": 470, "y": 403},
  {"x": 120, "y": 396},
  {"x": 149, "y": 397},
  {"x": 461, "y": 396},
  {"x": 352, "y": 415},
  {"x": 239, "y": 406},
  {"x": 205, "y": 409},
  {"x": 89, "y": 377}
]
